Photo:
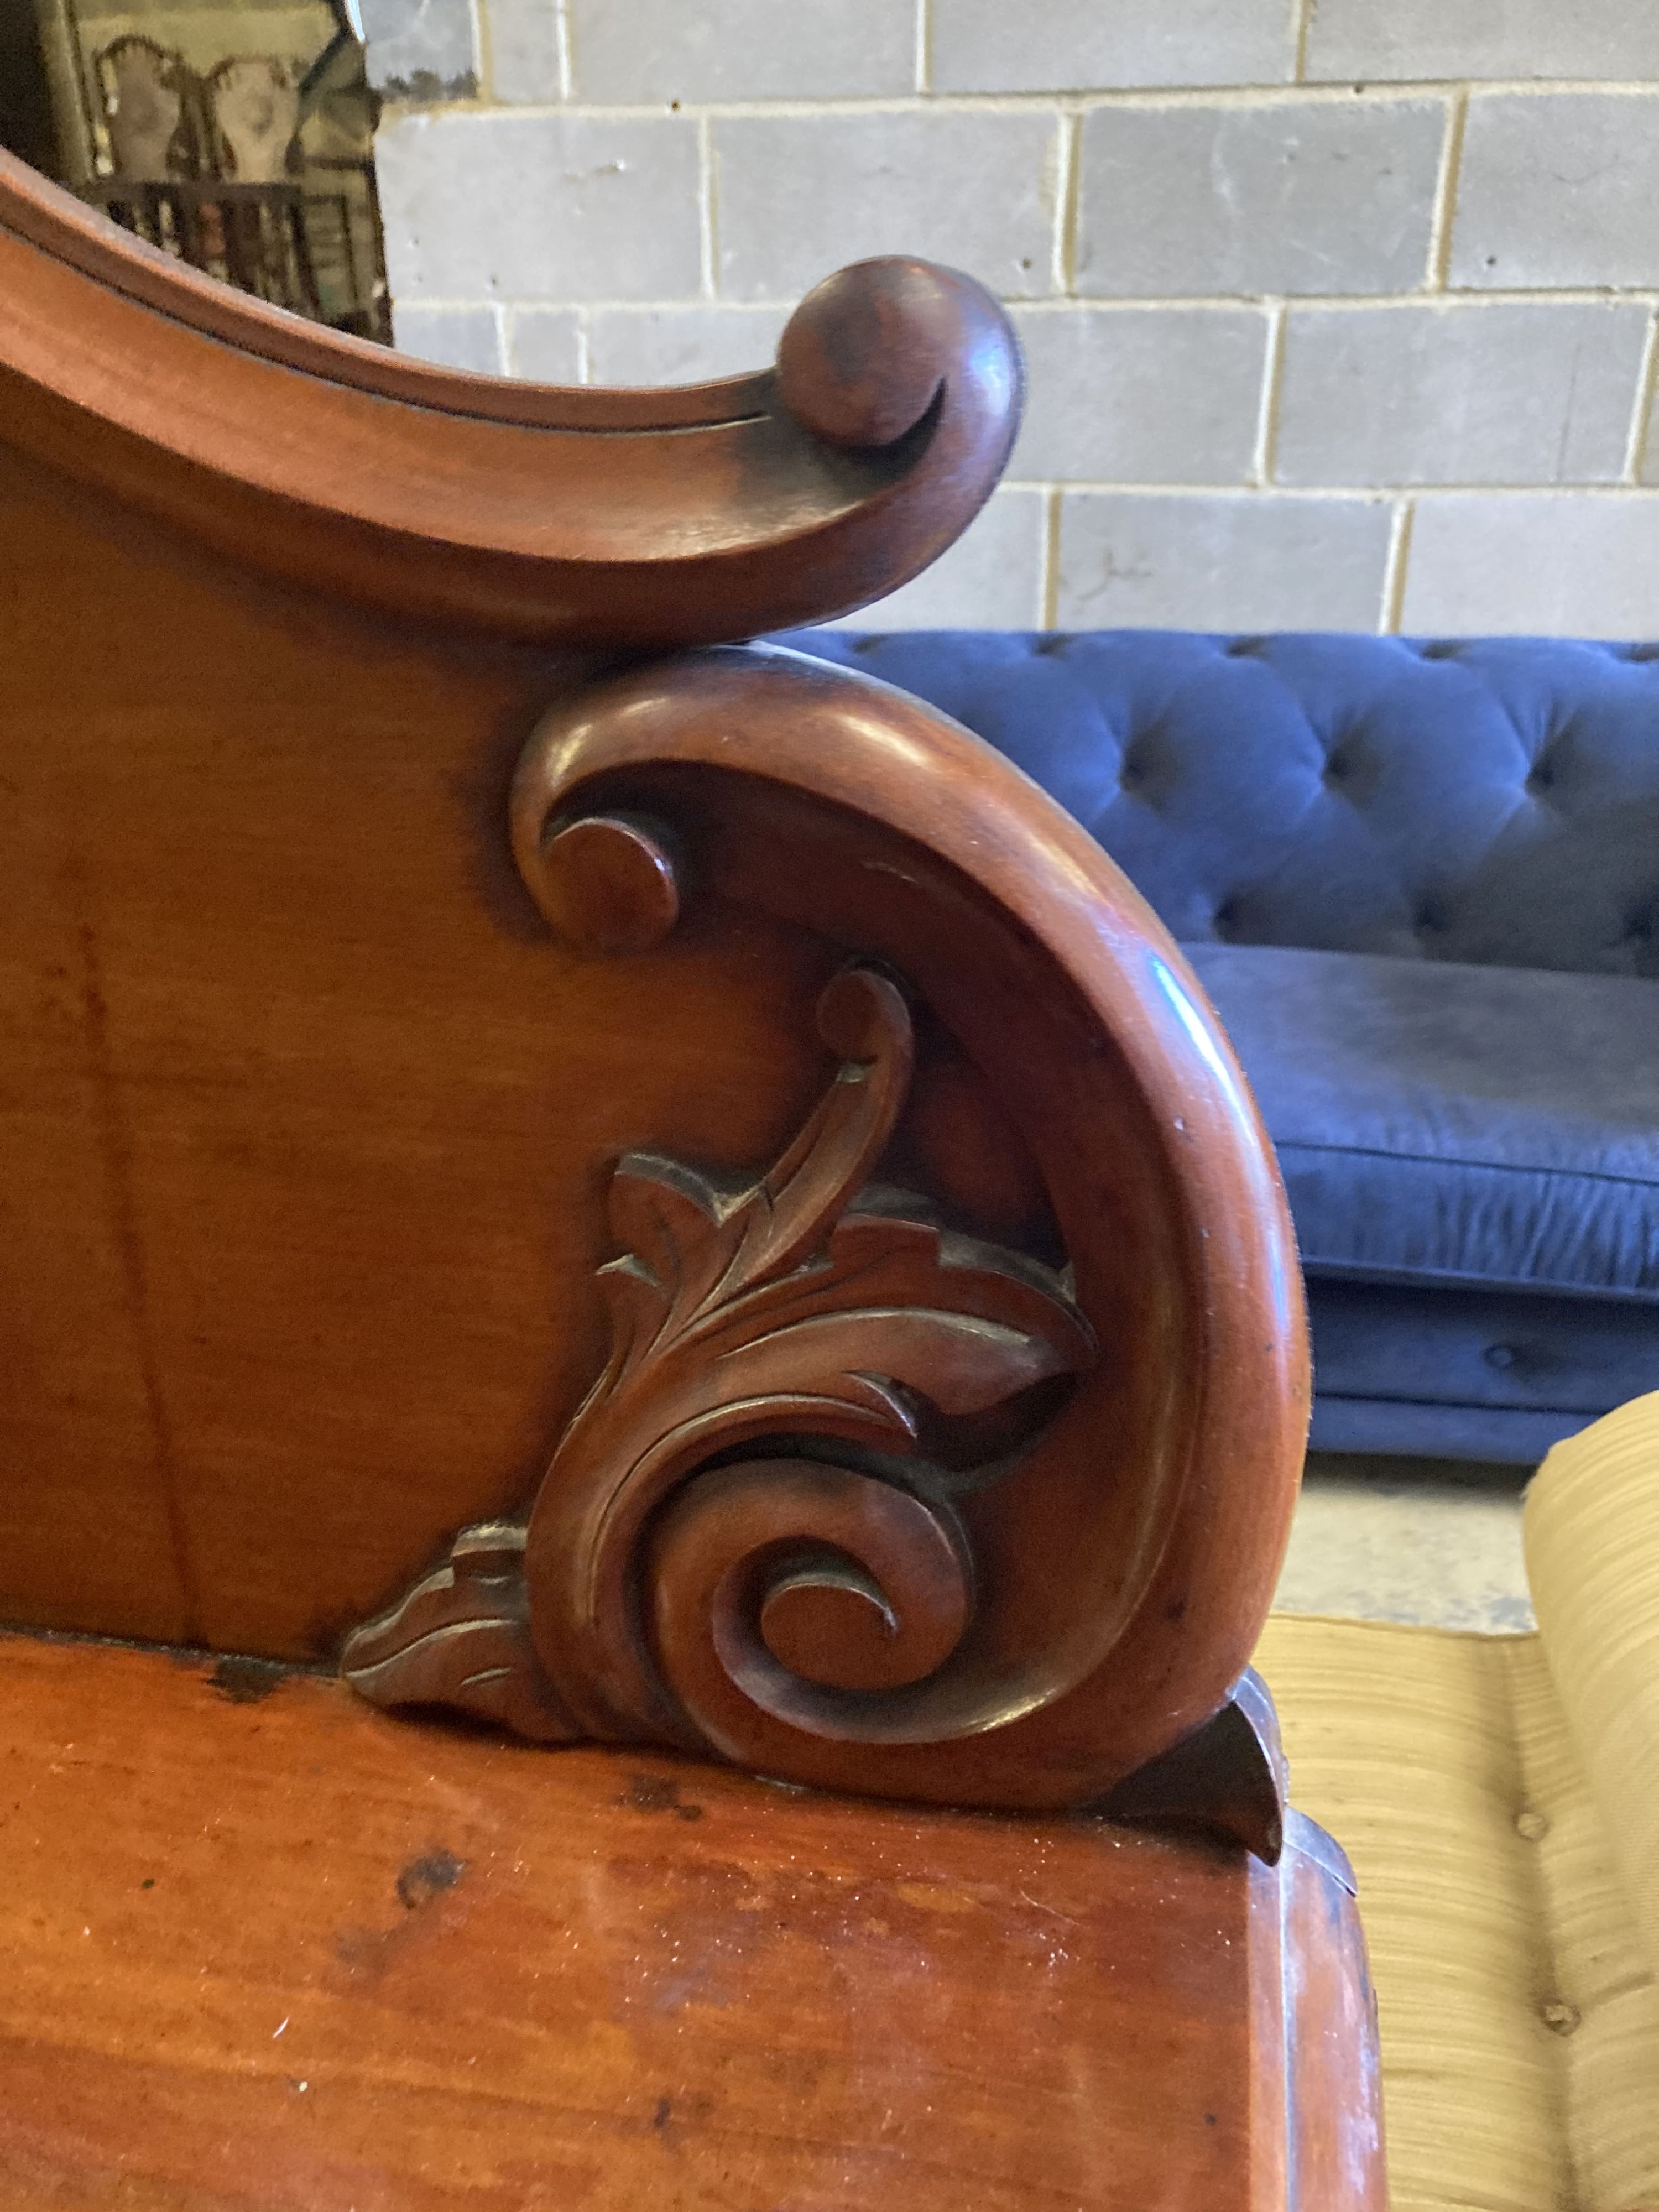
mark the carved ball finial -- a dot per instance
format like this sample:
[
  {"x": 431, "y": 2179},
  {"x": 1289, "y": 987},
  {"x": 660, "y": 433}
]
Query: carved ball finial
[
  {"x": 604, "y": 884},
  {"x": 863, "y": 357}
]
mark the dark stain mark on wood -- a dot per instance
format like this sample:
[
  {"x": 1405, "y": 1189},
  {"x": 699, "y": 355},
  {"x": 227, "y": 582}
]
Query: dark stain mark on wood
[
  {"x": 246, "y": 1681},
  {"x": 655, "y": 1793},
  {"x": 429, "y": 1876}
]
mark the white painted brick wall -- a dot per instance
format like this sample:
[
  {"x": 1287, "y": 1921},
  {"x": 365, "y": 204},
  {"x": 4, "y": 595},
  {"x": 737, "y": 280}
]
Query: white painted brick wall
[
  {"x": 1286, "y": 196},
  {"x": 1339, "y": 313}
]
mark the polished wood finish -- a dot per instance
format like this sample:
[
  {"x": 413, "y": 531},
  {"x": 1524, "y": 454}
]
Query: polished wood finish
[
  {"x": 671, "y": 1199},
  {"x": 1020, "y": 1611},
  {"x": 266, "y": 1946},
  {"x": 1135, "y": 1537},
  {"x": 305, "y": 1120},
  {"x": 775, "y": 1588},
  {"x": 312, "y": 1116},
  {"x": 1228, "y": 1777},
  {"x": 580, "y": 517}
]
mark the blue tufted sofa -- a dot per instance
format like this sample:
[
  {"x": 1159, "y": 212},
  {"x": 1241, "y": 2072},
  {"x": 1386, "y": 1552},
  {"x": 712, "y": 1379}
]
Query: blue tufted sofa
[{"x": 1421, "y": 882}]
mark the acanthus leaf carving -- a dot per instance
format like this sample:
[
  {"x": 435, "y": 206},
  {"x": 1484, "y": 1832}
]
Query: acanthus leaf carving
[
  {"x": 461, "y": 1638},
  {"x": 796, "y": 1316}
]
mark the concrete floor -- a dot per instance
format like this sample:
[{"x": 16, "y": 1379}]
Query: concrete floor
[{"x": 1434, "y": 1540}]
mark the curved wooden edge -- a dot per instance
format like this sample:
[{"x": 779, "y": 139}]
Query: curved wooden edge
[
  {"x": 1318, "y": 2058},
  {"x": 33, "y": 209},
  {"x": 1228, "y": 1777},
  {"x": 569, "y": 516},
  {"x": 1056, "y": 1621}
]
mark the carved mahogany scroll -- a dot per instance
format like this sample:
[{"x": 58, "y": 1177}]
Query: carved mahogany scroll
[
  {"x": 863, "y": 1498},
  {"x": 574, "y": 517},
  {"x": 785, "y": 1310}
]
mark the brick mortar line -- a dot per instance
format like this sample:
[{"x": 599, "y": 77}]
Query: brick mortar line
[
  {"x": 707, "y": 213},
  {"x": 1635, "y": 452},
  {"x": 1445, "y": 214},
  {"x": 923, "y": 64},
  {"x": 1394, "y": 567},
  {"x": 565, "y": 52},
  {"x": 1448, "y": 305},
  {"x": 687, "y": 303},
  {"x": 1085, "y": 99},
  {"x": 1610, "y": 495},
  {"x": 1265, "y": 455},
  {"x": 483, "y": 46},
  {"x": 1068, "y": 195},
  {"x": 1049, "y": 581},
  {"x": 1302, "y": 14}
]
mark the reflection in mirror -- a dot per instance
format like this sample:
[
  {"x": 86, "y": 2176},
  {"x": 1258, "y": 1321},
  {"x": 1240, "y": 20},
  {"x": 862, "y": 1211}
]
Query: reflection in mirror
[
  {"x": 26, "y": 120},
  {"x": 235, "y": 134}
]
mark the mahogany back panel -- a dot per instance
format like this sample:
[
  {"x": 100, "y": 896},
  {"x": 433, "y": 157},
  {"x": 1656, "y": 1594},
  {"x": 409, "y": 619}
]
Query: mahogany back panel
[
  {"x": 309, "y": 1114},
  {"x": 646, "y": 1196}
]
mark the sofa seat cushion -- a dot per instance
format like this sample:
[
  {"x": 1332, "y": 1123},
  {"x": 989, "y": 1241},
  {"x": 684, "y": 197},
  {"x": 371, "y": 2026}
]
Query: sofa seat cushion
[
  {"x": 1438, "y": 1123},
  {"x": 1470, "y": 1374}
]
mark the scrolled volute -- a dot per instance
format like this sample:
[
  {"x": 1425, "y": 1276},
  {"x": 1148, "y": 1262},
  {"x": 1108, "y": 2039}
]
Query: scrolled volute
[
  {"x": 576, "y": 517},
  {"x": 762, "y": 1533},
  {"x": 668, "y": 1584}
]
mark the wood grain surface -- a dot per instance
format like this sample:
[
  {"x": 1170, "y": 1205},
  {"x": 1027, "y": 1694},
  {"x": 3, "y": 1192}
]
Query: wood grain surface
[
  {"x": 308, "y": 1117},
  {"x": 305, "y": 1118},
  {"x": 268, "y": 1950},
  {"x": 1135, "y": 1539}
]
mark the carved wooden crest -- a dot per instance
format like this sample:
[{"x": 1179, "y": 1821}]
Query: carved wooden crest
[
  {"x": 859, "y": 1500},
  {"x": 753, "y": 1331}
]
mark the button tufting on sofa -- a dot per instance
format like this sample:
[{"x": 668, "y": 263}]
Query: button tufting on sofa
[{"x": 1402, "y": 813}]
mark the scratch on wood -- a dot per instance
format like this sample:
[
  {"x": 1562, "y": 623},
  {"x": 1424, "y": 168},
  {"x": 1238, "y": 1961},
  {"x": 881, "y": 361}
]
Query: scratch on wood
[{"x": 117, "y": 1143}]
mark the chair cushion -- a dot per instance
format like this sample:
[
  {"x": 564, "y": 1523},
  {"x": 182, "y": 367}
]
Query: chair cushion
[
  {"x": 1391, "y": 1429},
  {"x": 1440, "y": 1123},
  {"x": 1422, "y": 1747}
]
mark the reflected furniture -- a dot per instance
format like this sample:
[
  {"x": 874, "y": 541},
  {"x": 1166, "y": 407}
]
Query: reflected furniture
[{"x": 239, "y": 142}]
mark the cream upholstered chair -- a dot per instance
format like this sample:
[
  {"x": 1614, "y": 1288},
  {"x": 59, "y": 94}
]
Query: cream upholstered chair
[{"x": 1500, "y": 1797}]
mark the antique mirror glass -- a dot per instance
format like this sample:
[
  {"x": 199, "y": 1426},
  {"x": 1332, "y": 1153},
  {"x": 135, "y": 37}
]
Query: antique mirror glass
[{"x": 238, "y": 137}]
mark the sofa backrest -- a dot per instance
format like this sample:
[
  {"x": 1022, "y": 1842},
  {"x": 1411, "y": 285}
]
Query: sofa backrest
[{"x": 1494, "y": 800}]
